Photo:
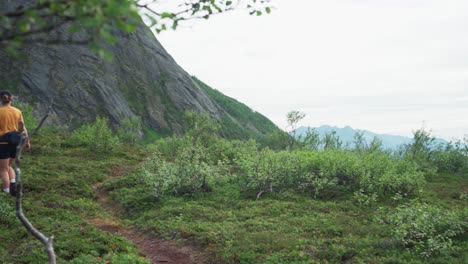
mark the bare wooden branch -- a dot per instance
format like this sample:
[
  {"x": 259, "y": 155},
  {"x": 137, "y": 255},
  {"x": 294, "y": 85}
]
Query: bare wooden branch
[
  {"x": 259, "y": 194},
  {"x": 47, "y": 241},
  {"x": 49, "y": 109},
  {"x": 148, "y": 8}
]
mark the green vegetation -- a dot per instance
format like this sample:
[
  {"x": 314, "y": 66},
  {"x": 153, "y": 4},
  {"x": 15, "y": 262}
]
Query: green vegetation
[
  {"x": 96, "y": 136},
  {"x": 26, "y": 23},
  {"x": 128, "y": 131},
  {"x": 248, "y": 204},
  {"x": 241, "y": 202},
  {"x": 236, "y": 120},
  {"x": 427, "y": 228},
  {"x": 59, "y": 201},
  {"x": 247, "y": 120}
]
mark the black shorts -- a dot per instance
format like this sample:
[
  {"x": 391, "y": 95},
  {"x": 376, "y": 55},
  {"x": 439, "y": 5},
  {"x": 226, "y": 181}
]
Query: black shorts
[{"x": 7, "y": 151}]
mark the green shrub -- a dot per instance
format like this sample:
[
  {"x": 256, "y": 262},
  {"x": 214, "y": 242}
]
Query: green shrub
[
  {"x": 266, "y": 170},
  {"x": 228, "y": 151},
  {"x": 421, "y": 150},
  {"x": 201, "y": 128},
  {"x": 373, "y": 174},
  {"x": 187, "y": 175},
  {"x": 432, "y": 157},
  {"x": 170, "y": 147},
  {"x": 427, "y": 229},
  {"x": 452, "y": 158},
  {"x": 129, "y": 132},
  {"x": 50, "y": 139},
  {"x": 28, "y": 115},
  {"x": 387, "y": 175},
  {"x": 96, "y": 136},
  {"x": 302, "y": 171}
]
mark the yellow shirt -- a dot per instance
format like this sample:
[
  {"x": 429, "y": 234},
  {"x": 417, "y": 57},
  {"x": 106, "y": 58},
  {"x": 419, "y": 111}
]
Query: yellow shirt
[{"x": 9, "y": 119}]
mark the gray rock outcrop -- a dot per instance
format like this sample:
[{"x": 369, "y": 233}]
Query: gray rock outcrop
[{"x": 141, "y": 80}]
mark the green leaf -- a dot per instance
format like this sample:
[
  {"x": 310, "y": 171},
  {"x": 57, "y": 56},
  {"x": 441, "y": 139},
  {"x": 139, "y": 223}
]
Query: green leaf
[
  {"x": 208, "y": 8},
  {"x": 174, "y": 24},
  {"x": 105, "y": 33},
  {"x": 268, "y": 10},
  {"x": 152, "y": 19},
  {"x": 167, "y": 15},
  {"x": 24, "y": 26},
  {"x": 228, "y": 3}
]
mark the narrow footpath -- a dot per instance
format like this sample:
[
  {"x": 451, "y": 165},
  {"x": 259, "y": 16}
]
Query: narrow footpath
[{"x": 155, "y": 249}]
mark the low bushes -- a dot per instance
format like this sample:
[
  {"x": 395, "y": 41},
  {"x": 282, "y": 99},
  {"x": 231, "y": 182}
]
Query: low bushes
[
  {"x": 96, "y": 136},
  {"x": 426, "y": 229},
  {"x": 183, "y": 168},
  {"x": 373, "y": 173},
  {"x": 188, "y": 175}
]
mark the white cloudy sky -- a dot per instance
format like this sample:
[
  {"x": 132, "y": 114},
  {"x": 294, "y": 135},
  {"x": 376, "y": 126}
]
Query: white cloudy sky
[{"x": 382, "y": 65}]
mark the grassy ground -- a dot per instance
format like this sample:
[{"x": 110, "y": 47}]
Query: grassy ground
[
  {"x": 59, "y": 201},
  {"x": 285, "y": 228},
  {"x": 229, "y": 225}
]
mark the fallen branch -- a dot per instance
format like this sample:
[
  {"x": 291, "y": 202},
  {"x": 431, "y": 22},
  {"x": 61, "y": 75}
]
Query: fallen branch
[
  {"x": 47, "y": 241},
  {"x": 259, "y": 194}
]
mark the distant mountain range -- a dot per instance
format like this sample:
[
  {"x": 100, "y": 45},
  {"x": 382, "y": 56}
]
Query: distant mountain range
[{"x": 347, "y": 133}]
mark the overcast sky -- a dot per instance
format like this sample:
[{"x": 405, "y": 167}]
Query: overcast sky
[{"x": 382, "y": 65}]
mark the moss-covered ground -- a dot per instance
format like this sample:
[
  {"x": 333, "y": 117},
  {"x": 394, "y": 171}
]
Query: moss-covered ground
[
  {"x": 286, "y": 227},
  {"x": 230, "y": 226},
  {"x": 59, "y": 200}
]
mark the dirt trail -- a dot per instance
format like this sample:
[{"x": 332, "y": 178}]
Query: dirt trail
[{"x": 157, "y": 250}]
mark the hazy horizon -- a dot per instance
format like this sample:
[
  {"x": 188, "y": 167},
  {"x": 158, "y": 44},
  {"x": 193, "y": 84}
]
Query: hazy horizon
[
  {"x": 383, "y": 66},
  {"x": 366, "y": 130}
]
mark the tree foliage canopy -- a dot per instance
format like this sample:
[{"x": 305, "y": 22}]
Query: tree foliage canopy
[{"x": 65, "y": 21}]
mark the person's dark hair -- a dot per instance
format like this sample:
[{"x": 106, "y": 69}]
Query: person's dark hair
[{"x": 5, "y": 96}]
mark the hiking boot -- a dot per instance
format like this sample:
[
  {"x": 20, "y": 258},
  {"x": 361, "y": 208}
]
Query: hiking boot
[{"x": 13, "y": 188}]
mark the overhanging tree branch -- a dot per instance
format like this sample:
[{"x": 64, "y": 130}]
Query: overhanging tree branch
[
  {"x": 24, "y": 25},
  {"x": 47, "y": 241}
]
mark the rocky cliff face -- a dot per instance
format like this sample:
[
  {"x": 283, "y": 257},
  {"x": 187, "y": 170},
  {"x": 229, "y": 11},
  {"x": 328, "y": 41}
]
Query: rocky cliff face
[{"x": 141, "y": 80}]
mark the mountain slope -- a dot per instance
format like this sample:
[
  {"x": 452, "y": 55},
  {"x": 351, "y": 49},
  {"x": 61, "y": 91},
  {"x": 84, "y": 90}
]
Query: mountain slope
[
  {"x": 239, "y": 120},
  {"x": 142, "y": 80}
]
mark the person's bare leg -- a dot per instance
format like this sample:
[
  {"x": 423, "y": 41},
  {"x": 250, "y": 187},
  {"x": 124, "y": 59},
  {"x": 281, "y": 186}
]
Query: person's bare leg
[
  {"x": 5, "y": 174},
  {"x": 11, "y": 172}
]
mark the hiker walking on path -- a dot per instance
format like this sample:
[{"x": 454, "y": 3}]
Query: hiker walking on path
[{"x": 11, "y": 127}]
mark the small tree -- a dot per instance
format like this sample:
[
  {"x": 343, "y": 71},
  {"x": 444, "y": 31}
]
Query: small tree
[
  {"x": 375, "y": 145},
  {"x": 421, "y": 148},
  {"x": 311, "y": 140},
  {"x": 360, "y": 142},
  {"x": 332, "y": 141},
  {"x": 293, "y": 119},
  {"x": 129, "y": 132},
  {"x": 200, "y": 127}
]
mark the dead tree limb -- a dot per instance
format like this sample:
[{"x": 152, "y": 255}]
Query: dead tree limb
[{"x": 47, "y": 241}]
